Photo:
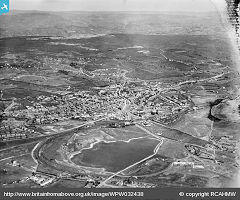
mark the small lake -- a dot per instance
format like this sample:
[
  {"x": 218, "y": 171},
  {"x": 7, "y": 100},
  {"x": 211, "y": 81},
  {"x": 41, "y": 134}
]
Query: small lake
[{"x": 116, "y": 156}]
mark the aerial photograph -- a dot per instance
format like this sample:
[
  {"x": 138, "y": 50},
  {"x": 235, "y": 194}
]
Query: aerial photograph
[{"x": 119, "y": 94}]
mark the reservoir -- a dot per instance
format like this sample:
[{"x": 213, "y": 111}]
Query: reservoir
[{"x": 116, "y": 156}]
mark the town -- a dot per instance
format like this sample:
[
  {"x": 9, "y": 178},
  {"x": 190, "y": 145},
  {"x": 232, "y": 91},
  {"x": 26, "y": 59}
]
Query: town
[{"x": 116, "y": 102}]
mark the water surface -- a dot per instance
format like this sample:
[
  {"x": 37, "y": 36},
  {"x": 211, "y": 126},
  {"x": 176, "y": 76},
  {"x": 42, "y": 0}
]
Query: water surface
[{"x": 116, "y": 156}]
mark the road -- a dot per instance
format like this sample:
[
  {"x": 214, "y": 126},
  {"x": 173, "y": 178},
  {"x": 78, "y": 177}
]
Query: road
[
  {"x": 32, "y": 140},
  {"x": 32, "y": 154},
  {"x": 104, "y": 183},
  {"x": 119, "y": 172},
  {"x": 37, "y": 149},
  {"x": 36, "y": 152},
  {"x": 14, "y": 157},
  {"x": 10, "y": 106},
  {"x": 148, "y": 132}
]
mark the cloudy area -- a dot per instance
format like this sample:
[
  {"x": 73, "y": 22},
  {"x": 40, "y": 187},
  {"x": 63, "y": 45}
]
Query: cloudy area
[{"x": 116, "y": 5}]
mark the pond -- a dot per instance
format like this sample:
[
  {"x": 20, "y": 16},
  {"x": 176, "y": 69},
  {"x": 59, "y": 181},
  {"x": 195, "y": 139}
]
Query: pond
[{"x": 116, "y": 156}]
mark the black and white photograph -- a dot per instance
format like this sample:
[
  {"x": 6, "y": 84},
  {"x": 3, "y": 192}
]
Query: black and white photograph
[{"x": 119, "y": 94}]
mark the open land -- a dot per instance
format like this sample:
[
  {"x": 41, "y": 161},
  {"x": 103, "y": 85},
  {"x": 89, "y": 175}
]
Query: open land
[{"x": 136, "y": 102}]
